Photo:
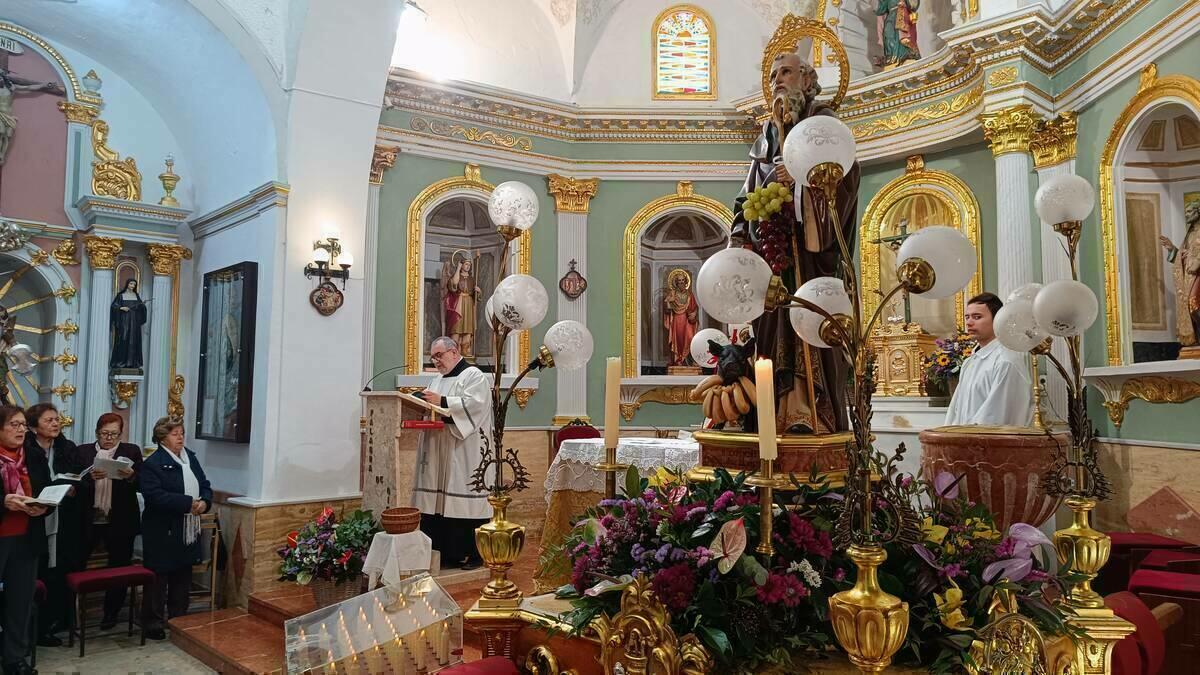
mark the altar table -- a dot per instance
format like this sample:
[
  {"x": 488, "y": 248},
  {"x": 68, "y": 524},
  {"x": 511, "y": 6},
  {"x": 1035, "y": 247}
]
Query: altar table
[{"x": 573, "y": 484}]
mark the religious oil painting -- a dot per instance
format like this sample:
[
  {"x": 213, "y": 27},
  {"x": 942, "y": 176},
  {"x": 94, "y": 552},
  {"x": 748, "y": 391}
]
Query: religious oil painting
[{"x": 227, "y": 354}]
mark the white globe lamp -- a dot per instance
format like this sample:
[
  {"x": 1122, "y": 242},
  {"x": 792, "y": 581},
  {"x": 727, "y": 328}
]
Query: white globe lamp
[
  {"x": 1016, "y": 327},
  {"x": 950, "y": 257},
  {"x": 732, "y": 285},
  {"x": 520, "y": 301},
  {"x": 1064, "y": 198},
  {"x": 570, "y": 343},
  {"x": 828, "y": 293},
  {"x": 513, "y": 208},
  {"x": 1065, "y": 308},
  {"x": 699, "y": 347},
  {"x": 1025, "y": 293},
  {"x": 817, "y": 140}
]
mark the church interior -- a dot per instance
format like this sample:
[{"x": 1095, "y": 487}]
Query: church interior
[{"x": 726, "y": 336}]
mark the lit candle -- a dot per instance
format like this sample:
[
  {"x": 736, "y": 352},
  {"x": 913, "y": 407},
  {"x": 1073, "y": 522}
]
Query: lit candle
[
  {"x": 612, "y": 398},
  {"x": 764, "y": 384}
]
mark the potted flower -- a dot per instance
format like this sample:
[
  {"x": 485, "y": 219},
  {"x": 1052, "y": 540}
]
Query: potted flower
[
  {"x": 328, "y": 555},
  {"x": 941, "y": 368}
]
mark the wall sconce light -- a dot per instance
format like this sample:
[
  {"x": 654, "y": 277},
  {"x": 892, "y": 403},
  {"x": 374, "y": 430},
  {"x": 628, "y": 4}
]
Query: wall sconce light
[{"x": 330, "y": 262}]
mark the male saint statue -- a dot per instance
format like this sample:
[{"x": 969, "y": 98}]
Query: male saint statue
[
  {"x": 802, "y": 406},
  {"x": 446, "y": 458},
  {"x": 994, "y": 387},
  {"x": 1185, "y": 264}
]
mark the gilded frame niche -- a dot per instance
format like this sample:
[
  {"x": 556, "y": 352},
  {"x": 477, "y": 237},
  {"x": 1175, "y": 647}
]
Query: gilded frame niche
[
  {"x": 918, "y": 180},
  {"x": 1153, "y": 92},
  {"x": 684, "y": 199},
  {"x": 470, "y": 184}
]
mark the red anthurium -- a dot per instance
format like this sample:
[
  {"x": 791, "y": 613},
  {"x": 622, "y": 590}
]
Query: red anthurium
[{"x": 293, "y": 538}]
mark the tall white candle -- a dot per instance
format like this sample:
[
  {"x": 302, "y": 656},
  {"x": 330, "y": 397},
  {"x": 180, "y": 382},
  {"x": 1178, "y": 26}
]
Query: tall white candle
[
  {"x": 764, "y": 384},
  {"x": 612, "y": 400}
]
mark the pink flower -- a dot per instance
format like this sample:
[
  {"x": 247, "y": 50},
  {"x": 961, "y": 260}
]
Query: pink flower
[
  {"x": 782, "y": 589},
  {"x": 945, "y": 484},
  {"x": 675, "y": 586}
]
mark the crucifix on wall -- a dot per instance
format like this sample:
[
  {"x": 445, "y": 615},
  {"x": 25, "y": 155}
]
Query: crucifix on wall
[
  {"x": 893, "y": 242},
  {"x": 11, "y": 85}
]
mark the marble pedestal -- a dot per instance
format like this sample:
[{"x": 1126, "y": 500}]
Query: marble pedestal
[
  {"x": 389, "y": 452},
  {"x": 901, "y": 419}
]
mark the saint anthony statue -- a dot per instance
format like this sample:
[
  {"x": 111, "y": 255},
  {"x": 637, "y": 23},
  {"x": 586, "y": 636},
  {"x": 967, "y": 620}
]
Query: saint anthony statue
[
  {"x": 10, "y": 85},
  {"x": 681, "y": 317},
  {"x": 1186, "y": 269},
  {"x": 462, "y": 294},
  {"x": 810, "y": 383},
  {"x": 127, "y": 315},
  {"x": 897, "y": 31}
]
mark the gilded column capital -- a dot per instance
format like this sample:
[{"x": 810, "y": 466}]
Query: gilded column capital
[
  {"x": 1010, "y": 129},
  {"x": 102, "y": 251},
  {"x": 382, "y": 159},
  {"x": 165, "y": 258},
  {"x": 78, "y": 112},
  {"x": 572, "y": 195},
  {"x": 1053, "y": 141}
]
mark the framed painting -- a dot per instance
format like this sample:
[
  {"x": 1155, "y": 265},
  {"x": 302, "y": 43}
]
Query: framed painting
[{"x": 223, "y": 395}]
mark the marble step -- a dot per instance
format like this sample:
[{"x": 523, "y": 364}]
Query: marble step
[{"x": 230, "y": 641}]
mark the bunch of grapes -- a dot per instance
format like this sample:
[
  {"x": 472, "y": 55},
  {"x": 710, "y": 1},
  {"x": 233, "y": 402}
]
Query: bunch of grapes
[
  {"x": 774, "y": 246},
  {"x": 766, "y": 201},
  {"x": 772, "y": 233}
]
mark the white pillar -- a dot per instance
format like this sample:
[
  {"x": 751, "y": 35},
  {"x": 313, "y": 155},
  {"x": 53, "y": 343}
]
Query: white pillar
[
  {"x": 164, "y": 261},
  {"x": 1009, "y": 131},
  {"x": 572, "y": 198},
  {"x": 384, "y": 159},
  {"x": 102, "y": 254}
]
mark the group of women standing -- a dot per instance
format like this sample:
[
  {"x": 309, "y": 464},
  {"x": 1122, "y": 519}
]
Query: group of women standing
[{"x": 43, "y": 543}]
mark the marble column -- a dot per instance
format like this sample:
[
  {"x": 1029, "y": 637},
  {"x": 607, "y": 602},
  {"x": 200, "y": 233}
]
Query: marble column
[
  {"x": 383, "y": 159},
  {"x": 1008, "y": 132},
  {"x": 164, "y": 261},
  {"x": 1053, "y": 149},
  {"x": 102, "y": 255},
  {"x": 572, "y": 198}
]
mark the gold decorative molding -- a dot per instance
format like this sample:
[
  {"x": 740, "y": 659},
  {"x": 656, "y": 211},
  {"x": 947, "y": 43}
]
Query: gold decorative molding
[
  {"x": 709, "y": 95},
  {"x": 1001, "y": 76},
  {"x": 903, "y": 119},
  {"x": 65, "y": 419},
  {"x": 684, "y": 199},
  {"x": 1010, "y": 129},
  {"x": 942, "y": 186},
  {"x": 38, "y": 257},
  {"x": 1053, "y": 141},
  {"x": 1152, "y": 91},
  {"x": 473, "y": 134},
  {"x": 78, "y": 112},
  {"x": 564, "y": 420},
  {"x": 676, "y": 395},
  {"x": 1151, "y": 389},
  {"x": 125, "y": 390},
  {"x": 471, "y": 183},
  {"x": 111, "y": 175},
  {"x": 175, "y": 398},
  {"x": 166, "y": 258},
  {"x": 66, "y": 358},
  {"x": 640, "y": 636},
  {"x": 382, "y": 159},
  {"x": 79, "y": 92},
  {"x": 522, "y": 396},
  {"x": 899, "y": 350},
  {"x": 102, "y": 251},
  {"x": 65, "y": 252},
  {"x": 794, "y": 29},
  {"x": 67, "y": 329},
  {"x": 572, "y": 195},
  {"x": 66, "y": 292},
  {"x": 64, "y": 391}
]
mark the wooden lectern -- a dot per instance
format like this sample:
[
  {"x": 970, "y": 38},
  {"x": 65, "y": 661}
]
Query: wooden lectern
[{"x": 390, "y": 431}]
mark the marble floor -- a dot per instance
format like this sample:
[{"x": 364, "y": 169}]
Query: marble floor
[{"x": 120, "y": 655}]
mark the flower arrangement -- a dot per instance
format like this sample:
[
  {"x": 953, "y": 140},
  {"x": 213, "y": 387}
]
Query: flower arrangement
[
  {"x": 326, "y": 549},
  {"x": 945, "y": 362},
  {"x": 696, "y": 543}
]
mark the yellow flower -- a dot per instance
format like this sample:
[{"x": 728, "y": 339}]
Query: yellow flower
[
  {"x": 663, "y": 476},
  {"x": 943, "y": 360},
  {"x": 981, "y": 530},
  {"x": 949, "y": 606},
  {"x": 968, "y": 351},
  {"x": 933, "y": 533}
]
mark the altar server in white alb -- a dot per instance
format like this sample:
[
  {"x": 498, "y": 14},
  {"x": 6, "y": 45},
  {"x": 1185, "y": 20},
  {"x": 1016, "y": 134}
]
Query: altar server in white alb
[
  {"x": 447, "y": 457},
  {"x": 994, "y": 386}
]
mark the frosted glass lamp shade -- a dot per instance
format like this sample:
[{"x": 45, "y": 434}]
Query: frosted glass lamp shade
[
  {"x": 488, "y": 314},
  {"x": 1025, "y": 293},
  {"x": 1065, "y": 308},
  {"x": 570, "y": 343},
  {"x": 1016, "y": 327},
  {"x": 513, "y": 204},
  {"x": 699, "y": 347},
  {"x": 818, "y": 140},
  {"x": 732, "y": 285},
  {"x": 321, "y": 256},
  {"x": 948, "y": 251},
  {"x": 345, "y": 259},
  {"x": 520, "y": 301},
  {"x": 1064, "y": 198},
  {"x": 828, "y": 293}
]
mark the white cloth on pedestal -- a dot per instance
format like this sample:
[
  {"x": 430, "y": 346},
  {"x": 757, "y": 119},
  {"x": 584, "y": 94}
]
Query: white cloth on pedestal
[
  {"x": 395, "y": 556},
  {"x": 994, "y": 388}
]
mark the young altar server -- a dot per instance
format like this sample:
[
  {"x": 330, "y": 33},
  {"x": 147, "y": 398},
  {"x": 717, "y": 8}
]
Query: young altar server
[
  {"x": 447, "y": 457},
  {"x": 994, "y": 386}
]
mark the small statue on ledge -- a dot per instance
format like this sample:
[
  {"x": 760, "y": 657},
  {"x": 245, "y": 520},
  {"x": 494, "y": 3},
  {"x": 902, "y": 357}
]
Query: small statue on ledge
[
  {"x": 680, "y": 318},
  {"x": 1185, "y": 260},
  {"x": 127, "y": 315}
]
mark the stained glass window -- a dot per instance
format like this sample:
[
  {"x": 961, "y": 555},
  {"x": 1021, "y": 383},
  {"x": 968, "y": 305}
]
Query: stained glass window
[{"x": 684, "y": 52}]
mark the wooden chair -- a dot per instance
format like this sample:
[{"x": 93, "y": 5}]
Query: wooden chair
[
  {"x": 210, "y": 527},
  {"x": 576, "y": 428}
]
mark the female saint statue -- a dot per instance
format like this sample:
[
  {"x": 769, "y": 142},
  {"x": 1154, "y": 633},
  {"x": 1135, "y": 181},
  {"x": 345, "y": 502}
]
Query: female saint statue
[
  {"x": 127, "y": 314},
  {"x": 462, "y": 293},
  {"x": 897, "y": 31},
  {"x": 1186, "y": 268},
  {"x": 681, "y": 317}
]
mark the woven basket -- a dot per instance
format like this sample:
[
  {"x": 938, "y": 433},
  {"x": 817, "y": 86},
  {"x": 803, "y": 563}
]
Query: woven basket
[
  {"x": 400, "y": 520},
  {"x": 327, "y": 592}
]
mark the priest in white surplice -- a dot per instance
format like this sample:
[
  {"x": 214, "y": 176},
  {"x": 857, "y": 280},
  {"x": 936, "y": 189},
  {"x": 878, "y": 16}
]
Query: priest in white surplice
[
  {"x": 447, "y": 457},
  {"x": 994, "y": 386}
]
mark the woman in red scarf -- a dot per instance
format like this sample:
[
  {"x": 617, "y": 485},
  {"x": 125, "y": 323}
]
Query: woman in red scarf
[{"x": 23, "y": 474}]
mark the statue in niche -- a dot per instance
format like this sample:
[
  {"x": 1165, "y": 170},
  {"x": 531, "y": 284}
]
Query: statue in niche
[
  {"x": 1185, "y": 260},
  {"x": 681, "y": 317},
  {"x": 127, "y": 314},
  {"x": 809, "y": 382},
  {"x": 462, "y": 295},
  {"x": 10, "y": 86},
  {"x": 897, "y": 31}
]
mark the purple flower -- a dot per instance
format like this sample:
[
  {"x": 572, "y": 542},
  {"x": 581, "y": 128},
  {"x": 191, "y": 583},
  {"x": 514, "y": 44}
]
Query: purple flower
[
  {"x": 695, "y": 512},
  {"x": 1013, "y": 569},
  {"x": 607, "y": 503},
  {"x": 661, "y": 554},
  {"x": 946, "y": 485},
  {"x": 839, "y": 574},
  {"x": 920, "y": 550},
  {"x": 952, "y": 570},
  {"x": 723, "y": 501},
  {"x": 1026, "y": 538}
]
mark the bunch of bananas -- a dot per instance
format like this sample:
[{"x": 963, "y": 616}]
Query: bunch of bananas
[{"x": 726, "y": 402}]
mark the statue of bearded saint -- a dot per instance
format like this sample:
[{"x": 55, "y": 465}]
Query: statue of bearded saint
[
  {"x": 1185, "y": 262},
  {"x": 810, "y": 383}
]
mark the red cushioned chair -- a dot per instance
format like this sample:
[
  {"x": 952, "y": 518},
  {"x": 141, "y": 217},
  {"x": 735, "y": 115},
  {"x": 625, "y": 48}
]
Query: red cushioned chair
[
  {"x": 495, "y": 665},
  {"x": 1128, "y": 549},
  {"x": 1147, "y": 645},
  {"x": 130, "y": 577},
  {"x": 1172, "y": 560},
  {"x": 577, "y": 428},
  {"x": 1158, "y": 587}
]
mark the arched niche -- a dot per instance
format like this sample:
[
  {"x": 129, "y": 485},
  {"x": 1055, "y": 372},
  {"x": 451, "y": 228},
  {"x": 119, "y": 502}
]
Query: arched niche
[
  {"x": 921, "y": 198},
  {"x": 684, "y": 209},
  {"x": 1141, "y": 198},
  {"x": 438, "y": 200}
]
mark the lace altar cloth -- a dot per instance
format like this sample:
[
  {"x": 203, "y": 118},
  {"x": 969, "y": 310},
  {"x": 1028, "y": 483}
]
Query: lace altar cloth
[{"x": 574, "y": 468}]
